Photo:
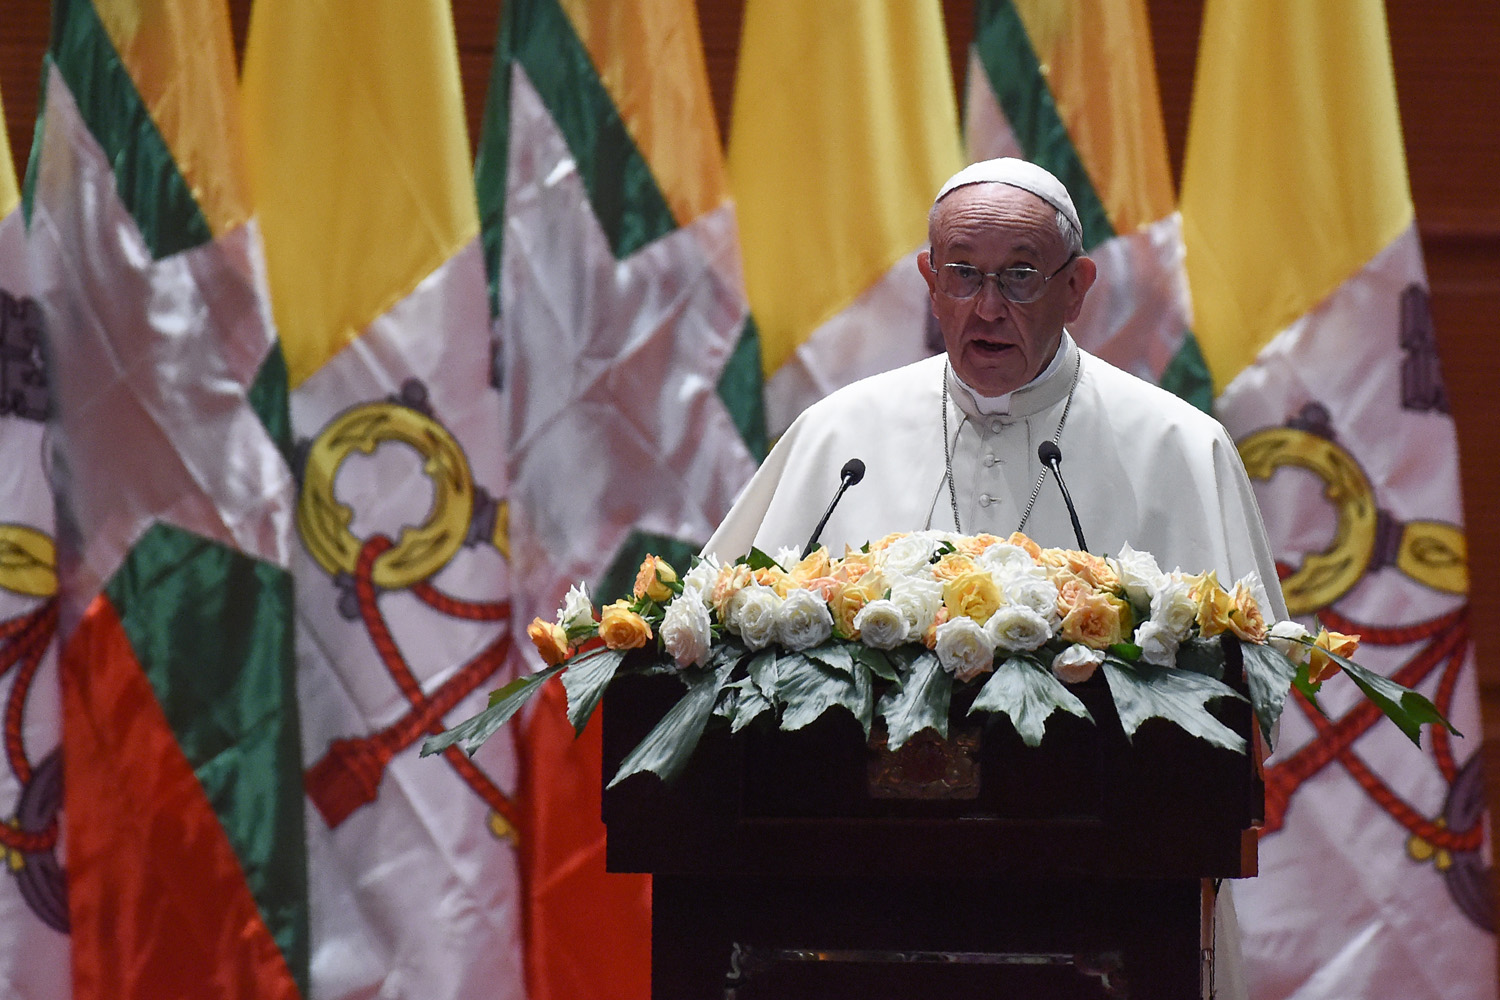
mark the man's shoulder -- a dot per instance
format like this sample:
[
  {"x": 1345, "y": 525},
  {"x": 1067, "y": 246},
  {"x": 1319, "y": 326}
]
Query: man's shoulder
[{"x": 898, "y": 389}]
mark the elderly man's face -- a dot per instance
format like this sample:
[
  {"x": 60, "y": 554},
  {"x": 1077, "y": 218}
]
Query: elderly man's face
[{"x": 996, "y": 345}]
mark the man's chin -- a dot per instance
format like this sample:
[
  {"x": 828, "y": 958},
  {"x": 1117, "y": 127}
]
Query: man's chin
[{"x": 992, "y": 372}]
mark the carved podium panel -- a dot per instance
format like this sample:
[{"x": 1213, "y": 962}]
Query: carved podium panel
[{"x": 817, "y": 864}]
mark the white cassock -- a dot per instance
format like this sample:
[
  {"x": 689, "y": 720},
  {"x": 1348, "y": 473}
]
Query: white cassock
[{"x": 1144, "y": 468}]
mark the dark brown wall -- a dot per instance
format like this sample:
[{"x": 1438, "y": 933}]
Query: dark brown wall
[{"x": 1447, "y": 59}]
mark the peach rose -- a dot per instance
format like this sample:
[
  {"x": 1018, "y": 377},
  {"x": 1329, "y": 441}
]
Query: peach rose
[
  {"x": 652, "y": 580},
  {"x": 1320, "y": 666},
  {"x": 849, "y": 599},
  {"x": 972, "y": 595},
  {"x": 731, "y": 580},
  {"x": 549, "y": 639},
  {"x": 1032, "y": 548},
  {"x": 929, "y": 638},
  {"x": 881, "y": 544},
  {"x": 1094, "y": 621},
  {"x": 978, "y": 543},
  {"x": 775, "y": 578},
  {"x": 621, "y": 628},
  {"x": 854, "y": 565},
  {"x": 1071, "y": 591},
  {"x": 1246, "y": 621},
  {"x": 814, "y": 565},
  {"x": 952, "y": 566}
]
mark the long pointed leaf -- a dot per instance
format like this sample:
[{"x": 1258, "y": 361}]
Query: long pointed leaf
[
  {"x": 876, "y": 660},
  {"x": 922, "y": 703},
  {"x": 666, "y": 749},
  {"x": 832, "y": 654},
  {"x": 1142, "y": 691},
  {"x": 809, "y": 688},
  {"x": 1408, "y": 709},
  {"x": 503, "y": 704},
  {"x": 1269, "y": 676},
  {"x": 1028, "y": 694},
  {"x": 585, "y": 681}
]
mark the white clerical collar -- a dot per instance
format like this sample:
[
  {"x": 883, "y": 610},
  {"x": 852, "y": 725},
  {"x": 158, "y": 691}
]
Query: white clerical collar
[{"x": 999, "y": 406}]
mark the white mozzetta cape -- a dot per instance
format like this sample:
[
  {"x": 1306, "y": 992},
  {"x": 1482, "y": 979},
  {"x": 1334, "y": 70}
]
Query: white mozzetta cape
[{"x": 1144, "y": 468}]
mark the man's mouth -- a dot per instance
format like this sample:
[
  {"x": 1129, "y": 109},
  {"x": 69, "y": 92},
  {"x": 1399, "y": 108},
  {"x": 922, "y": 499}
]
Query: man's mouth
[{"x": 990, "y": 346}]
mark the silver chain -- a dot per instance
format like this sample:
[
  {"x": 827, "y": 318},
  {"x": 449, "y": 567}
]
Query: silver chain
[{"x": 1036, "y": 490}]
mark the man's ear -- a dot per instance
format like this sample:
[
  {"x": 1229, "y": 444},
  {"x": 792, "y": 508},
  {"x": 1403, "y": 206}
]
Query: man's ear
[
  {"x": 924, "y": 264},
  {"x": 1080, "y": 280}
]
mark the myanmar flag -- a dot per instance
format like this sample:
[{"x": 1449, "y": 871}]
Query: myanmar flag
[
  {"x": 631, "y": 374},
  {"x": 845, "y": 126},
  {"x": 33, "y": 901},
  {"x": 1072, "y": 86},
  {"x": 1311, "y": 306},
  {"x": 360, "y": 162},
  {"x": 185, "y": 857}
]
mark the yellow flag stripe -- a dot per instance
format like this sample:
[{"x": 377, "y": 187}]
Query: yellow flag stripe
[
  {"x": 1113, "y": 118},
  {"x": 180, "y": 55},
  {"x": 1295, "y": 175},
  {"x": 649, "y": 56},
  {"x": 10, "y": 194},
  {"x": 359, "y": 161},
  {"x": 845, "y": 125}
]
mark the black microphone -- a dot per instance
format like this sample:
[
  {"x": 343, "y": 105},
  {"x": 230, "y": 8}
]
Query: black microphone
[
  {"x": 1051, "y": 456},
  {"x": 852, "y": 472}
]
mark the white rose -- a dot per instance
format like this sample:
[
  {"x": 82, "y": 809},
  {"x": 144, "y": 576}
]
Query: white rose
[
  {"x": 752, "y": 613},
  {"x": 685, "y": 630},
  {"x": 577, "y": 611},
  {"x": 1158, "y": 644},
  {"x": 918, "y": 600},
  {"x": 1173, "y": 607},
  {"x": 1017, "y": 628},
  {"x": 908, "y": 555},
  {"x": 803, "y": 620},
  {"x": 788, "y": 556},
  {"x": 699, "y": 580},
  {"x": 1139, "y": 575},
  {"x": 1003, "y": 555},
  {"x": 1282, "y": 639},
  {"x": 963, "y": 648},
  {"x": 1034, "y": 592},
  {"x": 1076, "y": 664},
  {"x": 882, "y": 624}
]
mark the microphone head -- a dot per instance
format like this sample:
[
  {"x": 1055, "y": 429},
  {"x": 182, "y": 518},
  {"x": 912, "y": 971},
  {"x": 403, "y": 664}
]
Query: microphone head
[
  {"x": 1049, "y": 452},
  {"x": 853, "y": 471}
]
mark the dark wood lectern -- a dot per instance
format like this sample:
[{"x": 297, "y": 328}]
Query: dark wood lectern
[{"x": 812, "y": 864}]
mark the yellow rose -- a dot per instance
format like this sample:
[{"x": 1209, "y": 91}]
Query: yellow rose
[
  {"x": 1246, "y": 621},
  {"x": 549, "y": 639},
  {"x": 849, "y": 599},
  {"x": 976, "y": 544},
  {"x": 621, "y": 628},
  {"x": 881, "y": 544},
  {"x": 814, "y": 565},
  {"x": 1320, "y": 666},
  {"x": 652, "y": 580},
  {"x": 776, "y": 578},
  {"x": 952, "y": 566},
  {"x": 974, "y": 594},
  {"x": 1094, "y": 621},
  {"x": 1215, "y": 606}
]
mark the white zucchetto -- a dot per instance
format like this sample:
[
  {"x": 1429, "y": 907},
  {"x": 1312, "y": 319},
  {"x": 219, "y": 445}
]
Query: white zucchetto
[{"x": 1017, "y": 173}]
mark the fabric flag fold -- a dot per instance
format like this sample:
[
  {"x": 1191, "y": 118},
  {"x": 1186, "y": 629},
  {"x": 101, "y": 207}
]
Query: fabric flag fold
[
  {"x": 1311, "y": 306},
  {"x": 359, "y": 159},
  {"x": 34, "y": 960},
  {"x": 833, "y": 176},
  {"x": 1072, "y": 86},
  {"x": 185, "y": 859},
  {"x": 631, "y": 373}
]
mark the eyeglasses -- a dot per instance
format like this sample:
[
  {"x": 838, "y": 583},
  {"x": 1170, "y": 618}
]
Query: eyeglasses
[{"x": 1020, "y": 284}]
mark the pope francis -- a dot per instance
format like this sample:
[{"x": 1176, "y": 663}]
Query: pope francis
[{"x": 951, "y": 442}]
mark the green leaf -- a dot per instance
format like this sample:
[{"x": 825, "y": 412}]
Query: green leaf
[
  {"x": 585, "y": 681},
  {"x": 1028, "y": 694},
  {"x": 1202, "y": 656},
  {"x": 832, "y": 654},
  {"x": 759, "y": 560},
  {"x": 1127, "y": 651},
  {"x": 763, "y": 672},
  {"x": 749, "y": 706},
  {"x": 876, "y": 661},
  {"x": 921, "y": 703},
  {"x": 807, "y": 688},
  {"x": 666, "y": 749},
  {"x": 1269, "y": 676},
  {"x": 1408, "y": 709},
  {"x": 1143, "y": 691},
  {"x": 503, "y": 704},
  {"x": 1304, "y": 683}
]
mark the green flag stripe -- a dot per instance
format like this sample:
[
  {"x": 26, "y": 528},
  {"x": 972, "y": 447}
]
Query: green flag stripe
[
  {"x": 1015, "y": 75},
  {"x": 146, "y": 176},
  {"x": 212, "y": 628},
  {"x": 625, "y": 197},
  {"x": 268, "y": 397},
  {"x": 1186, "y": 375},
  {"x": 740, "y": 387}
]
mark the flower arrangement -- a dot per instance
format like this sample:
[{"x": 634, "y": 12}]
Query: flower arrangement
[{"x": 916, "y": 614}]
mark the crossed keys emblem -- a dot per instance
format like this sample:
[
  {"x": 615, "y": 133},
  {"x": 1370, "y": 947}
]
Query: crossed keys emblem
[{"x": 348, "y": 774}]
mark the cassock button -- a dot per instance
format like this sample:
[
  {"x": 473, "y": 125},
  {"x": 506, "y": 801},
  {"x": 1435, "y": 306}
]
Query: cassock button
[
  {"x": 995, "y": 426},
  {"x": 989, "y": 460},
  {"x": 985, "y": 500}
]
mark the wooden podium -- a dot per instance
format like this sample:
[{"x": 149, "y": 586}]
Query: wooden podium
[{"x": 812, "y": 864}]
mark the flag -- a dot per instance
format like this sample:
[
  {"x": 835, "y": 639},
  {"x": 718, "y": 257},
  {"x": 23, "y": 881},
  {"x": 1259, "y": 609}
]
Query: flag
[
  {"x": 845, "y": 125},
  {"x": 359, "y": 159},
  {"x": 1072, "y": 87},
  {"x": 183, "y": 806},
  {"x": 1311, "y": 307},
  {"x": 33, "y": 902},
  {"x": 631, "y": 373}
]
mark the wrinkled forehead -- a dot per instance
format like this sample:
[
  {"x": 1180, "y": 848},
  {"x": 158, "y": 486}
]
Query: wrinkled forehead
[{"x": 994, "y": 215}]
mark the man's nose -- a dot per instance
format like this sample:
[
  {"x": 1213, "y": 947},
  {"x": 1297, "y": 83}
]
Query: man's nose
[{"x": 988, "y": 302}]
